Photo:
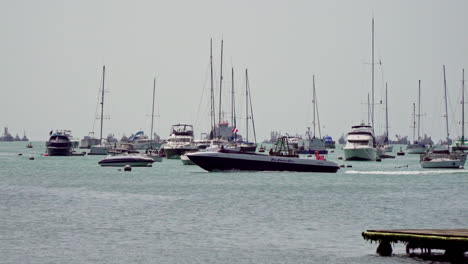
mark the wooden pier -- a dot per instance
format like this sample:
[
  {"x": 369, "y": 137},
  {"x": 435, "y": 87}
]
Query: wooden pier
[{"x": 453, "y": 241}]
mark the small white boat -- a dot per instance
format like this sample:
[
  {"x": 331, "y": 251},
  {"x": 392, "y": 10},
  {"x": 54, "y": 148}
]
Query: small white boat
[
  {"x": 121, "y": 160},
  {"x": 455, "y": 160}
]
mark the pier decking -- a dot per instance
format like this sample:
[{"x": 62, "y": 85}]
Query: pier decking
[{"x": 453, "y": 241}]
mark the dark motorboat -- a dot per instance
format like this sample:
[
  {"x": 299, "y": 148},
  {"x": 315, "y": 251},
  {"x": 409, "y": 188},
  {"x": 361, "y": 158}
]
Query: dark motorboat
[
  {"x": 282, "y": 158},
  {"x": 121, "y": 160},
  {"x": 59, "y": 144}
]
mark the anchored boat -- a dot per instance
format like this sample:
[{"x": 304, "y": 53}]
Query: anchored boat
[
  {"x": 282, "y": 158},
  {"x": 134, "y": 160}
]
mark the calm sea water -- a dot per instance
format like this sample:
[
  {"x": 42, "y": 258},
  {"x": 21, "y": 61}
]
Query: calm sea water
[{"x": 70, "y": 210}]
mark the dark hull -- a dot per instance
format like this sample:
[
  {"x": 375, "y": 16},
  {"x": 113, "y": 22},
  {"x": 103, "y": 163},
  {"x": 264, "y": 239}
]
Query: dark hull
[
  {"x": 125, "y": 161},
  {"x": 311, "y": 151},
  {"x": 228, "y": 164},
  {"x": 59, "y": 151}
]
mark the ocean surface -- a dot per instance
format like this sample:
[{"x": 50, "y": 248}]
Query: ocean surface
[{"x": 71, "y": 210}]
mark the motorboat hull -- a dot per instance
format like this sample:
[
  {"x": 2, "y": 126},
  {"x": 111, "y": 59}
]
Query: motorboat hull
[
  {"x": 59, "y": 151},
  {"x": 454, "y": 160},
  {"x": 59, "y": 148},
  {"x": 361, "y": 154},
  {"x": 443, "y": 164},
  {"x": 219, "y": 161},
  {"x": 121, "y": 161}
]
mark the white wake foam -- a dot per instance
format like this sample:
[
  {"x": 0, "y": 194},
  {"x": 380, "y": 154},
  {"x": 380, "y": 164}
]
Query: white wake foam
[{"x": 421, "y": 172}]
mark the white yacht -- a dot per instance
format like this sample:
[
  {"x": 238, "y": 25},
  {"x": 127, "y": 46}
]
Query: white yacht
[
  {"x": 360, "y": 144},
  {"x": 180, "y": 141}
]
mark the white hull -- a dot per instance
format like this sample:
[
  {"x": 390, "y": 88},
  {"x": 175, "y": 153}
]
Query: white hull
[
  {"x": 447, "y": 164},
  {"x": 360, "y": 154}
]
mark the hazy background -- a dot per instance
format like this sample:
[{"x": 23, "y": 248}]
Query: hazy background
[{"x": 52, "y": 54}]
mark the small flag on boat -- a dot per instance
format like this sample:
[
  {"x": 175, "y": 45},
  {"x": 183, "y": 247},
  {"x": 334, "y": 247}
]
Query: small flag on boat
[{"x": 235, "y": 130}]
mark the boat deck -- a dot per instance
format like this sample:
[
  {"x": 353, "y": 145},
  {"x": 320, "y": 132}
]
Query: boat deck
[{"x": 453, "y": 241}]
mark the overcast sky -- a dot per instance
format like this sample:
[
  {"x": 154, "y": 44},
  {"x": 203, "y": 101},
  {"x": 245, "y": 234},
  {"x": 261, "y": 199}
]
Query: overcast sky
[{"x": 52, "y": 53}]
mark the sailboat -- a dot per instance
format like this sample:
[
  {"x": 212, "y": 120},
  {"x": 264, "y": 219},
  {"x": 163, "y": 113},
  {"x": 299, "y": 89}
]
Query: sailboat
[
  {"x": 246, "y": 145},
  {"x": 387, "y": 146},
  {"x": 443, "y": 157},
  {"x": 153, "y": 150},
  {"x": 315, "y": 144},
  {"x": 462, "y": 143},
  {"x": 101, "y": 148},
  {"x": 418, "y": 146},
  {"x": 360, "y": 142}
]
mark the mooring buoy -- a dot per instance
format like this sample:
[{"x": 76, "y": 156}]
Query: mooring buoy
[
  {"x": 31, "y": 158},
  {"x": 20, "y": 154},
  {"x": 340, "y": 158},
  {"x": 128, "y": 168},
  {"x": 349, "y": 166}
]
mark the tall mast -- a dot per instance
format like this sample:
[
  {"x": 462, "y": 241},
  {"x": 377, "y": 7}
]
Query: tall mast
[
  {"x": 233, "y": 104},
  {"x": 313, "y": 100},
  {"x": 419, "y": 111},
  {"x": 414, "y": 122},
  {"x": 220, "y": 83},
  {"x": 102, "y": 100},
  {"x": 446, "y": 111},
  {"x": 463, "y": 108},
  {"x": 251, "y": 108},
  {"x": 246, "y": 106},
  {"x": 368, "y": 110},
  {"x": 316, "y": 109},
  {"x": 386, "y": 112},
  {"x": 372, "y": 72},
  {"x": 213, "y": 114},
  {"x": 152, "y": 114}
]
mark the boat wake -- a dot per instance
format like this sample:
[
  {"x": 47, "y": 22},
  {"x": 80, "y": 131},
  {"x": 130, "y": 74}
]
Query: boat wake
[{"x": 421, "y": 172}]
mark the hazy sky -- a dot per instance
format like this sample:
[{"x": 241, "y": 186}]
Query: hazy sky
[{"x": 52, "y": 53}]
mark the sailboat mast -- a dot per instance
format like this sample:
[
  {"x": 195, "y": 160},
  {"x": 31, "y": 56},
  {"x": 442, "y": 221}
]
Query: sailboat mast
[
  {"x": 419, "y": 111},
  {"x": 152, "y": 114},
  {"x": 233, "y": 104},
  {"x": 102, "y": 100},
  {"x": 368, "y": 110},
  {"x": 246, "y": 106},
  {"x": 446, "y": 110},
  {"x": 313, "y": 101},
  {"x": 372, "y": 72},
  {"x": 251, "y": 109},
  {"x": 316, "y": 109},
  {"x": 386, "y": 112},
  {"x": 414, "y": 122},
  {"x": 213, "y": 114},
  {"x": 220, "y": 83},
  {"x": 463, "y": 108}
]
